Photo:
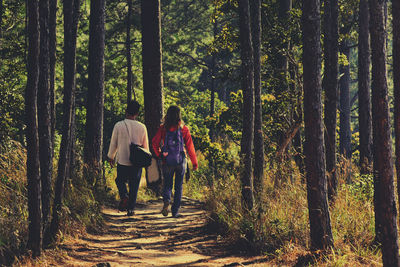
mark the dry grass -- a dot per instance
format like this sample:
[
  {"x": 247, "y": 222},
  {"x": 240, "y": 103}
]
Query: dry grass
[
  {"x": 278, "y": 225},
  {"x": 81, "y": 209},
  {"x": 13, "y": 201}
]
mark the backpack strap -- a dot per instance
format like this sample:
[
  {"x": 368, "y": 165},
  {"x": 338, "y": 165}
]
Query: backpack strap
[{"x": 181, "y": 141}]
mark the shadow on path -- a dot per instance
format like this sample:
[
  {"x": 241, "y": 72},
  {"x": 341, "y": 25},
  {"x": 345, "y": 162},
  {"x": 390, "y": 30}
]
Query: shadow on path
[{"x": 150, "y": 239}]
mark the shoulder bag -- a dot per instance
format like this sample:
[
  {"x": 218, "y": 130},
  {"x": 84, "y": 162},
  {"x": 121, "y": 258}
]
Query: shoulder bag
[{"x": 138, "y": 156}]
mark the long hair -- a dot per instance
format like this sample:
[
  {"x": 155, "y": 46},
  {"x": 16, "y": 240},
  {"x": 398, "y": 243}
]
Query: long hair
[{"x": 173, "y": 117}]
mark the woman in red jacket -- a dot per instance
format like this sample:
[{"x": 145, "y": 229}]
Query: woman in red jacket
[{"x": 169, "y": 143}]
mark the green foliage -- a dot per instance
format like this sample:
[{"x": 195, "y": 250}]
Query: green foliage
[
  {"x": 362, "y": 187},
  {"x": 275, "y": 119},
  {"x": 348, "y": 15},
  {"x": 12, "y": 71}
]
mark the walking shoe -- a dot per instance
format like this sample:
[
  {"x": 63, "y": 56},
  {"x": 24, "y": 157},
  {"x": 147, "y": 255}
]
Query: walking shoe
[
  {"x": 123, "y": 204},
  {"x": 177, "y": 215},
  {"x": 164, "y": 210},
  {"x": 130, "y": 213}
]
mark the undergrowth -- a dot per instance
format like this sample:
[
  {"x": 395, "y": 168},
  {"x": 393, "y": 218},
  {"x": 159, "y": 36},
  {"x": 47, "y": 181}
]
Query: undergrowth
[
  {"x": 80, "y": 212},
  {"x": 278, "y": 225},
  {"x": 13, "y": 199}
]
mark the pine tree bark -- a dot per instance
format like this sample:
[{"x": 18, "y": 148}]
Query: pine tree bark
[
  {"x": 344, "y": 87},
  {"x": 247, "y": 83},
  {"x": 213, "y": 70},
  {"x": 384, "y": 200},
  {"x": 95, "y": 97},
  {"x": 212, "y": 92},
  {"x": 396, "y": 82},
  {"x": 152, "y": 71},
  {"x": 314, "y": 150},
  {"x": 283, "y": 64},
  {"x": 298, "y": 116},
  {"x": 52, "y": 55},
  {"x": 128, "y": 53},
  {"x": 32, "y": 137},
  {"x": 255, "y": 13},
  {"x": 1, "y": 17},
  {"x": 44, "y": 113},
  {"x": 71, "y": 17},
  {"x": 364, "y": 95},
  {"x": 330, "y": 86}
]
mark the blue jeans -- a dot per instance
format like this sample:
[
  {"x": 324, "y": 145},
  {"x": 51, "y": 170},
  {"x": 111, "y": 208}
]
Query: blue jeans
[
  {"x": 168, "y": 173},
  {"x": 132, "y": 175}
]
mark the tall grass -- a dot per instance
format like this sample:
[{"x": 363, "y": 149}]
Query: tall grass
[
  {"x": 81, "y": 209},
  {"x": 13, "y": 197},
  {"x": 278, "y": 225}
]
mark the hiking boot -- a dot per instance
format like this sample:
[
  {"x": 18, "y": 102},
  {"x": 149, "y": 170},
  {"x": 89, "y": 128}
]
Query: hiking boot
[
  {"x": 164, "y": 210},
  {"x": 130, "y": 213},
  {"x": 123, "y": 204},
  {"x": 177, "y": 215}
]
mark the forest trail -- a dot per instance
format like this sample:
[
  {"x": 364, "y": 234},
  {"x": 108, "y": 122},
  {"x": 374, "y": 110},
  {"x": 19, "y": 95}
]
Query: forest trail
[{"x": 150, "y": 239}]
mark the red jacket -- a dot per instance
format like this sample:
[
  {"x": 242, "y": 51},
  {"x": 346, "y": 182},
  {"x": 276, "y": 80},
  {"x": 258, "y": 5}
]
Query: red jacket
[{"x": 187, "y": 138}]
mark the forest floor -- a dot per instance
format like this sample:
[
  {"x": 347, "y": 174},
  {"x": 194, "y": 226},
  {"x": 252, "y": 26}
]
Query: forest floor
[{"x": 150, "y": 239}]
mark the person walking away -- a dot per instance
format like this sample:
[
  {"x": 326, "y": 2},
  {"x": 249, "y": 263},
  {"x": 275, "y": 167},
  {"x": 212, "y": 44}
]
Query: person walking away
[
  {"x": 124, "y": 133},
  {"x": 169, "y": 143}
]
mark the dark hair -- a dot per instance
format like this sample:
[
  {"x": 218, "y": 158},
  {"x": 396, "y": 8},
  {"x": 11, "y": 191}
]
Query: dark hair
[
  {"x": 173, "y": 117},
  {"x": 132, "y": 108}
]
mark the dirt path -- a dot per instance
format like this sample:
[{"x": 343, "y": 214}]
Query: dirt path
[{"x": 149, "y": 239}]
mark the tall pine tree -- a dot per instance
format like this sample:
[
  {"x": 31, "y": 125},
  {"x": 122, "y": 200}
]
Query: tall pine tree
[
  {"x": 314, "y": 150},
  {"x": 32, "y": 137},
  {"x": 95, "y": 96},
  {"x": 247, "y": 82},
  {"x": 384, "y": 200}
]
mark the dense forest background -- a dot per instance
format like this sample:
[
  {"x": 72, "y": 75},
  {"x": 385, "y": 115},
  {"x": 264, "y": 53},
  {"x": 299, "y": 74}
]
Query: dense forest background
[{"x": 202, "y": 72}]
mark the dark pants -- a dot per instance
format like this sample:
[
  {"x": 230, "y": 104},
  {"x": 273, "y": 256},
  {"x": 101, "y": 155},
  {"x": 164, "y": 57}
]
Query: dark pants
[
  {"x": 131, "y": 175},
  {"x": 169, "y": 172}
]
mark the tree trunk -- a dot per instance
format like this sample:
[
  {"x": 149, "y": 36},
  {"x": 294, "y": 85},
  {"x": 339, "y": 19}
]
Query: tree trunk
[
  {"x": 212, "y": 84},
  {"x": 1, "y": 17},
  {"x": 213, "y": 72},
  {"x": 344, "y": 85},
  {"x": 384, "y": 200},
  {"x": 330, "y": 85},
  {"x": 314, "y": 150},
  {"x": 44, "y": 113},
  {"x": 247, "y": 82},
  {"x": 95, "y": 96},
  {"x": 284, "y": 7},
  {"x": 52, "y": 56},
  {"x": 152, "y": 71},
  {"x": 298, "y": 116},
  {"x": 396, "y": 82},
  {"x": 71, "y": 16},
  {"x": 32, "y": 137},
  {"x": 255, "y": 12},
  {"x": 71, "y": 172},
  {"x": 364, "y": 95},
  {"x": 128, "y": 53}
]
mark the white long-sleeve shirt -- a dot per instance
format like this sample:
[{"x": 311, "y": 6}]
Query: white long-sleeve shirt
[{"x": 121, "y": 140}]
